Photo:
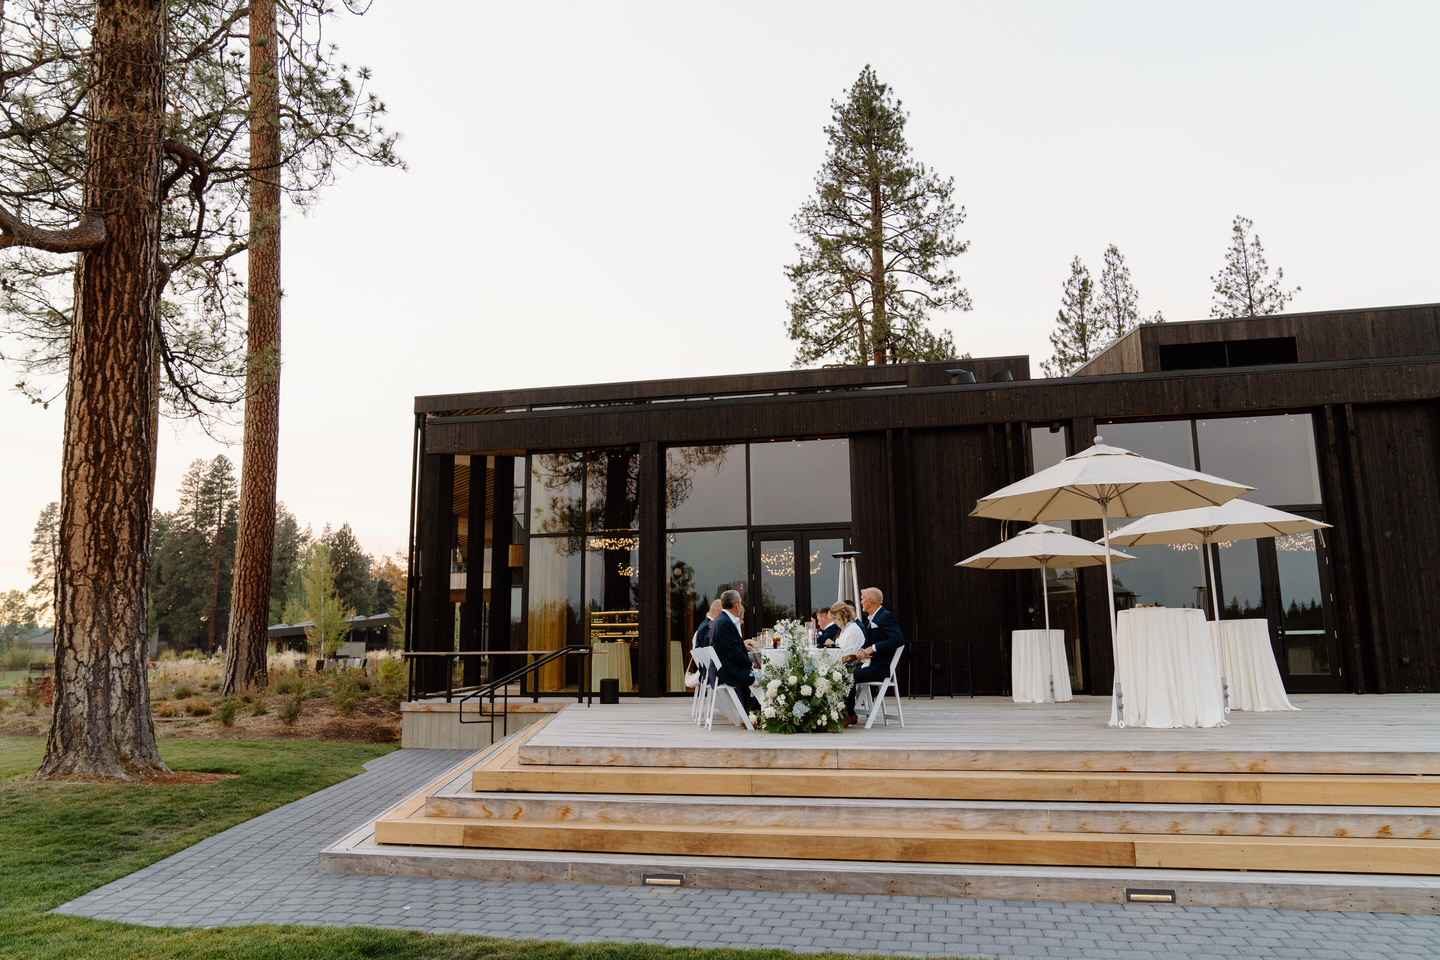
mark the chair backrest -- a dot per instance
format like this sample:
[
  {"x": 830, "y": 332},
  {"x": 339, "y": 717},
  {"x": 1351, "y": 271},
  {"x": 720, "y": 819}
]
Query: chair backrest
[{"x": 895, "y": 660}]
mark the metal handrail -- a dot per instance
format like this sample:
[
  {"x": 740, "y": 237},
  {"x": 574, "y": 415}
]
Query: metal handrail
[
  {"x": 502, "y": 686},
  {"x": 454, "y": 656}
]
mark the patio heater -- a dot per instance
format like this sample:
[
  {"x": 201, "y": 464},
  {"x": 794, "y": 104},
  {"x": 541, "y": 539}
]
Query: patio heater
[{"x": 849, "y": 585}]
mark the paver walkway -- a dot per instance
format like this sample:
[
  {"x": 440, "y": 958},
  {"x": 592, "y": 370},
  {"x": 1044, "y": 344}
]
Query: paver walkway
[{"x": 263, "y": 871}]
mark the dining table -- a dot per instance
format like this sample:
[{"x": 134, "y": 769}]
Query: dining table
[
  {"x": 1166, "y": 670},
  {"x": 1247, "y": 662},
  {"x": 1039, "y": 671}
]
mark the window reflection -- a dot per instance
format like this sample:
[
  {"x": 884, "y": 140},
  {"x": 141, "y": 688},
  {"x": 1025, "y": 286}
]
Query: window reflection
[
  {"x": 1239, "y": 566},
  {"x": 1168, "y": 441},
  {"x": 705, "y": 486},
  {"x": 612, "y": 485},
  {"x": 612, "y": 582},
  {"x": 800, "y": 481},
  {"x": 702, "y": 566},
  {"x": 555, "y": 604},
  {"x": 1172, "y": 575},
  {"x": 824, "y": 574},
  {"x": 557, "y": 503},
  {"x": 1275, "y": 455},
  {"x": 1047, "y": 448},
  {"x": 777, "y": 582}
]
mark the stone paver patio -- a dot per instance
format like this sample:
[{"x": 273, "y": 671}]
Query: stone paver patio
[{"x": 264, "y": 871}]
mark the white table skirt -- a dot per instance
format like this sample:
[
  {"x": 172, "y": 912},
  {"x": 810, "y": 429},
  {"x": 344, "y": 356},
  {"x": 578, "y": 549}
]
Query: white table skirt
[
  {"x": 1249, "y": 665},
  {"x": 1036, "y": 656},
  {"x": 611, "y": 660},
  {"x": 1167, "y": 669}
]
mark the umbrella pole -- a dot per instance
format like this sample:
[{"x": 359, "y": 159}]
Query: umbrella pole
[
  {"x": 1045, "y": 590},
  {"x": 1116, "y": 695},
  {"x": 1219, "y": 635}
]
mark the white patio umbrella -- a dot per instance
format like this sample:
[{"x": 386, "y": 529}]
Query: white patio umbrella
[
  {"x": 1235, "y": 520},
  {"x": 1043, "y": 547},
  {"x": 1102, "y": 482}
]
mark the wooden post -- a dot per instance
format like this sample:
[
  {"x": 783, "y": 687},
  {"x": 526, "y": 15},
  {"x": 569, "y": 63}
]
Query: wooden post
[{"x": 654, "y": 645}]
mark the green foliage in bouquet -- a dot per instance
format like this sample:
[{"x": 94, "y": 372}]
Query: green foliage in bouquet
[{"x": 802, "y": 691}]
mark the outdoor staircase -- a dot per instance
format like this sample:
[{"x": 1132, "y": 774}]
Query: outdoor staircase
[{"x": 1336, "y": 808}]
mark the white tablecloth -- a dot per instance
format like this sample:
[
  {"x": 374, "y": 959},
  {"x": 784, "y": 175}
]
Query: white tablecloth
[
  {"x": 611, "y": 660},
  {"x": 1035, "y": 657},
  {"x": 1249, "y": 665},
  {"x": 1167, "y": 669}
]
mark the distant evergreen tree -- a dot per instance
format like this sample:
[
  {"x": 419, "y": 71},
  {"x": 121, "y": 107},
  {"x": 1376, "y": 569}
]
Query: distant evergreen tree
[
  {"x": 319, "y": 604},
  {"x": 287, "y": 550},
  {"x": 354, "y": 580},
  {"x": 1116, "y": 313},
  {"x": 877, "y": 237},
  {"x": 192, "y": 549},
  {"x": 1078, "y": 336},
  {"x": 44, "y": 552},
  {"x": 1242, "y": 287}
]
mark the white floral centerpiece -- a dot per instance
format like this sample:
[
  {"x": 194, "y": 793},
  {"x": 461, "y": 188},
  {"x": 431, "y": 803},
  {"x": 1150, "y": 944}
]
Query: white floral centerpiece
[{"x": 802, "y": 690}]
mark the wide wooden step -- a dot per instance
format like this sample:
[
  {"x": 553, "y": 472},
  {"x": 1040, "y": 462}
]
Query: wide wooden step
[
  {"x": 1014, "y": 817},
  {"x": 1302, "y": 854}
]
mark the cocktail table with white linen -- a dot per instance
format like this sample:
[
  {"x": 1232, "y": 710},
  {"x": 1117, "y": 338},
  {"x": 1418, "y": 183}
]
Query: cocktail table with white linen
[
  {"x": 1249, "y": 665},
  {"x": 1037, "y": 657},
  {"x": 1167, "y": 669}
]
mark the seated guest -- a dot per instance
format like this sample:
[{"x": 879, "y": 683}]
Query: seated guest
[
  {"x": 884, "y": 639},
  {"x": 850, "y": 638},
  {"x": 828, "y": 628},
  {"x": 702, "y": 632},
  {"x": 725, "y": 638}
]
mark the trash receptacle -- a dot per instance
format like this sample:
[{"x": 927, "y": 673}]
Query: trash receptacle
[{"x": 609, "y": 690}]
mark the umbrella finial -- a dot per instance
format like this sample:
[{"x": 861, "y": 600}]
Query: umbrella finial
[{"x": 1099, "y": 439}]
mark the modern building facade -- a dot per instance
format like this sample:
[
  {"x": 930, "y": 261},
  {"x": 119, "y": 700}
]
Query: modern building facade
[{"x": 610, "y": 515}]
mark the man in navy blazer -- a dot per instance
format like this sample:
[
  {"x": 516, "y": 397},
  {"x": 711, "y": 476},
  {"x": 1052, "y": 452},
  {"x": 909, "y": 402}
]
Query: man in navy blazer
[
  {"x": 734, "y": 657},
  {"x": 883, "y": 637},
  {"x": 828, "y": 628}
]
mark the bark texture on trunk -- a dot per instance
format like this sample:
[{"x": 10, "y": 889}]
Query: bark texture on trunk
[
  {"x": 245, "y": 642},
  {"x": 880, "y": 323},
  {"x": 101, "y": 725}
]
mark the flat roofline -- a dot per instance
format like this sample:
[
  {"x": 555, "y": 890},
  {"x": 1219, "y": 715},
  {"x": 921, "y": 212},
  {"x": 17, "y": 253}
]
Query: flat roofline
[{"x": 735, "y": 385}]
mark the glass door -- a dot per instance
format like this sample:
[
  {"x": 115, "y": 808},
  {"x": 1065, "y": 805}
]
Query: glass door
[
  {"x": 1302, "y": 625},
  {"x": 794, "y": 573}
]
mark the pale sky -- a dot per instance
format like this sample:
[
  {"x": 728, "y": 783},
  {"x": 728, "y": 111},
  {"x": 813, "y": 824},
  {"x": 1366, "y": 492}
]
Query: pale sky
[{"x": 603, "y": 191}]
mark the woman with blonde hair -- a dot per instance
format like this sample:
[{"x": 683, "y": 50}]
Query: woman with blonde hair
[{"x": 851, "y": 637}]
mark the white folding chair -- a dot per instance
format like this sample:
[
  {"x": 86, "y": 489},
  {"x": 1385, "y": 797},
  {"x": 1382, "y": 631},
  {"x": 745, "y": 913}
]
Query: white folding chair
[
  {"x": 873, "y": 693},
  {"x": 721, "y": 695},
  {"x": 701, "y": 657}
]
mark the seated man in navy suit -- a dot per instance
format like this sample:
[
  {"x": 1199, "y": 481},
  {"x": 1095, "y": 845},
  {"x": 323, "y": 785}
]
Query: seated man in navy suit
[
  {"x": 883, "y": 637},
  {"x": 828, "y": 628},
  {"x": 733, "y": 652}
]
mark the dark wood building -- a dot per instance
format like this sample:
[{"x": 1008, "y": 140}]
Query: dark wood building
[{"x": 611, "y": 514}]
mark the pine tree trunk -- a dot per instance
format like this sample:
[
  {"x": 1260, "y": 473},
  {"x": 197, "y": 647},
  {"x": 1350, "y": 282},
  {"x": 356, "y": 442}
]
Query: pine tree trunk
[
  {"x": 101, "y": 725},
  {"x": 245, "y": 642},
  {"x": 880, "y": 325}
]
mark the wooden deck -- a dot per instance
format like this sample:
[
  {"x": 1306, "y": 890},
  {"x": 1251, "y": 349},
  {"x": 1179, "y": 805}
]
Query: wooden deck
[
  {"x": 1347, "y": 794},
  {"x": 1332, "y": 733}
]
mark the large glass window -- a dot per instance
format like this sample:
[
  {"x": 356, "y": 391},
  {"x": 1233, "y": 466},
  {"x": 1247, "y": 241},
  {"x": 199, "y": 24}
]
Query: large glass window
[
  {"x": 1302, "y": 614},
  {"x": 1240, "y": 587},
  {"x": 555, "y": 602},
  {"x": 702, "y": 565},
  {"x": 1275, "y": 455},
  {"x": 612, "y": 484},
  {"x": 800, "y": 482},
  {"x": 705, "y": 486},
  {"x": 1168, "y": 441},
  {"x": 1047, "y": 447}
]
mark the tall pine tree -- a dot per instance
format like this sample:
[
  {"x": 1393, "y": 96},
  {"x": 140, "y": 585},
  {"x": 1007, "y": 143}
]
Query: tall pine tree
[
  {"x": 1243, "y": 287},
  {"x": 1078, "y": 336},
  {"x": 878, "y": 235},
  {"x": 1116, "y": 299}
]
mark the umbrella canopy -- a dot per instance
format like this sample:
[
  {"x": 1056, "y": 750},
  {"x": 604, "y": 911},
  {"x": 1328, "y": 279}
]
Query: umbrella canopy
[
  {"x": 1106, "y": 481},
  {"x": 1043, "y": 547},
  {"x": 1236, "y": 520}
]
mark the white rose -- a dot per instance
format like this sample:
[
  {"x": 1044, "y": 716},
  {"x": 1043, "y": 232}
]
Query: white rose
[
  {"x": 792, "y": 679},
  {"x": 772, "y": 686},
  {"x": 805, "y": 691},
  {"x": 769, "y": 711},
  {"x": 835, "y": 675}
]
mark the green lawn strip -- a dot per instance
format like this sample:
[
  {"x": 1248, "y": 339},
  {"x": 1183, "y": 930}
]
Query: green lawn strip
[{"x": 58, "y": 841}]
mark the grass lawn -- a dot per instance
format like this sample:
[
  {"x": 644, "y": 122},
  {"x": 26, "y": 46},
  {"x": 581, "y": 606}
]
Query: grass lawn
[{"x": 58, "y": 841}]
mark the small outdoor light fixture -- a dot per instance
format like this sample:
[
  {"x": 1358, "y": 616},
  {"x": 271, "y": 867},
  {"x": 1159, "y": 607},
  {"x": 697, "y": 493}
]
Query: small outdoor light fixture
[
  {"x": 663, "y": 879},
  {"x": 1139, "y": 895},
  {"x": 961, "y": 376}
]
